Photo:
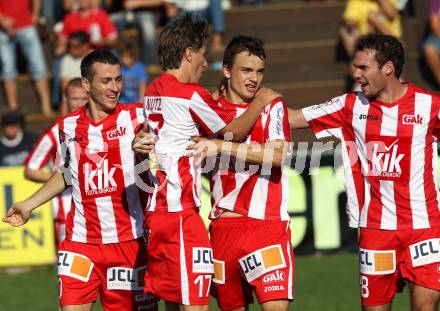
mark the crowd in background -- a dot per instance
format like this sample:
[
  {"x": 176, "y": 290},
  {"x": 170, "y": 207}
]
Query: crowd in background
[{"x": 75, "y": 27}]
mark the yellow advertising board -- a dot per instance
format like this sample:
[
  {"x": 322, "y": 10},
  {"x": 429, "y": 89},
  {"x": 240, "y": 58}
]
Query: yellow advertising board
[{"x": 33, "y": 243}]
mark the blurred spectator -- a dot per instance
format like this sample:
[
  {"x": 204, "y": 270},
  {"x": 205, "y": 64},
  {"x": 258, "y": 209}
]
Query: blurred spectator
[
  {"x": 210, "y": 9},
  {"x": 93, "y": 21},
  {"x": 142, "y": 15},
  {"x": 51, "y": 11},
  {"x": 17, "y": 26},
  {"x": 78, "y": 46},
  {"x": 15, "y": 142},
  {"x": 134, "y": 76},
  {"x": 369, "y": 16},
  {"x": 431, "y": 46}
]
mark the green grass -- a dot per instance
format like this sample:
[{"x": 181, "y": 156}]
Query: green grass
[{"x": 327, "y": 283}]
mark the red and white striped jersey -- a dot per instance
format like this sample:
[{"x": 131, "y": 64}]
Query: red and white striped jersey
[
  {"x": 47, "y": 151},
  {"x": 389, "y": 155},
  {"x": 175, "y": 112},
  {"x": 107, "y": 200},
  {"x": 249, "y": 189}
]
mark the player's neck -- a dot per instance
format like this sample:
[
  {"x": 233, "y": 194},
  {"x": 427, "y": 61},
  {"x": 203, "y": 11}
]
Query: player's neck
[
  {"x": 234, "y": 98},
  {"x": 96, "y": 114},
  {"x": 392, "y": 92},
  {"x": 180, "y": 74}
]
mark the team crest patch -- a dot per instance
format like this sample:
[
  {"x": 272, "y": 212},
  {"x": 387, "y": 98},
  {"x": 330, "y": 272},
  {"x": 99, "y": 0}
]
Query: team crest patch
[
  {"x": 74, "y": 265},
  {"x": 219, "y": 272},
  {"x": 376, "y": 262},
  {"x": 262, "y": 261},
  {"x": 123, "y": 278},
  {"x": 202, "y": 260},
  {"x": 425, "y": 252}
]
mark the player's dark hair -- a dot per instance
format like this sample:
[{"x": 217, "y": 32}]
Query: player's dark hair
[
  {"x": 238, "y": 44},
  {"x": 75, "y": 82},
  {"x": 387, "y": 49},
  {"x": 97, "y": 56},
  {"x": 186, "y": 31}
]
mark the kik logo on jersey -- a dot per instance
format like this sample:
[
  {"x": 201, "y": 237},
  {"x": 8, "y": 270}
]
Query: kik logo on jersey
[
  {"x": 98, "y": 177},
  {"x": 262, "y": 261},
  {"x": 375, "y": 262},
  {"x": 74, "y": 265},
  {"x": 202, "y": 260},
  {"x": 387, "y": 157},
  {"x": 123, "y": 278},
  {"x": 425, "y": 252}
]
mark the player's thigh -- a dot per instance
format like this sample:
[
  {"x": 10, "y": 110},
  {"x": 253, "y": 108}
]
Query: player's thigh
[
  {"x": 421, "y": 258},
  {"x": 268, "y": 265},
  {"x": 78, "y": 273},
  {"x": 385, "y": 307},
  {"x": 275, "y": 305},
  {"x": 228, "y": 286},
  {"x": 83, "y": 307},
  {"x": 423, "y": 298},
  {"x": 379, "y": 278},
  {"x": 125, "y": 269}
]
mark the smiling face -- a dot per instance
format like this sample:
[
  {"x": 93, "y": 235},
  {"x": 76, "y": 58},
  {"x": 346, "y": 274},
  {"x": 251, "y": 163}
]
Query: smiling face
[
  {"x": 245, "y": 76},
  {"x": 105, "y": 86},
  {"x": 372, "y": 79}
]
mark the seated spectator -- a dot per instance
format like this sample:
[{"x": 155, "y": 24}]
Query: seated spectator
[
  {"x": 15, "y": 142},
  {"x": 93, "y": 21},
  {"x": 78, "y": 47},
  {"x": 369, "y": 16},
  {"x": 431, "y": 46},
  {"x": 135, "y": 78},
  {"x": 209, "y": 9},
  {"x": 17, "y": 26},
  {"x": 142, "y": 15}
]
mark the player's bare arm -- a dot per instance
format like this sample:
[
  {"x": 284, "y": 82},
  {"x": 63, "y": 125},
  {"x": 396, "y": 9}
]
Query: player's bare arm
[
  {"x": 37, "y": 175},
  {"x": 297, "y": 119},
  {"x": 273, "y": 152},
  {"x": 20, "y": 212},
  {"x": 242, "y": 125}
]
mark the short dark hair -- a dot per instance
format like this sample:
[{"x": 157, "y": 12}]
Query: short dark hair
[
  {"x": 97, "y": 56},
  {"x": 10, "y": 118},
  {"x": 75, "y": 82},
  {"x": 186, "y": 31},
  {"x": 240, "y": 44},
  {"x": 80, "y": 36},
  {"x": 387, "y": 48}
]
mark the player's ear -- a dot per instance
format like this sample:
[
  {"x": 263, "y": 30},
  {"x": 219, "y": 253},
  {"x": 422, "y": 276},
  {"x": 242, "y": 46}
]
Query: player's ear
[
  {"x": 388, "y": 68},
  {"x": 85, "y": 84},
  {"x": 226, "y": 72},
  {"x": 188, "y": 54}
]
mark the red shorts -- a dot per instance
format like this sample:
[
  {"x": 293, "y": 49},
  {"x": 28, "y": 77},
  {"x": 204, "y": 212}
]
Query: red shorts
[
  {"x": 387, "y": 258},
  {"x": 115, "y": 271},
  {"x": 180, "y": 264},
  {"x": 251, "y": 254}
]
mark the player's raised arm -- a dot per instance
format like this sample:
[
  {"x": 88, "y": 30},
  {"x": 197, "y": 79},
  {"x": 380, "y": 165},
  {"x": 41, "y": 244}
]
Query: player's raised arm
[
  {"x": 297, "y": 119},
  {"x": 20, "y": 212},
  {"x": 273, "y": 152},
  {"x": 241, "y": 126}
]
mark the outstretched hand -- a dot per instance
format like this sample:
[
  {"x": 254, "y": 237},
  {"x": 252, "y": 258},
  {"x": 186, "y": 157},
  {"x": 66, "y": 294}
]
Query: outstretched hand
[{"x": 18, "y": 214}]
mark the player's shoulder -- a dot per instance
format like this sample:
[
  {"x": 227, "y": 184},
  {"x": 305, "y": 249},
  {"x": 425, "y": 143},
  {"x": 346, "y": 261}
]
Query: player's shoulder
[
  {"x": 129, "y": 106},
  {"x": 166, "y": 85},
  {"x": 420, "y": 90}
]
